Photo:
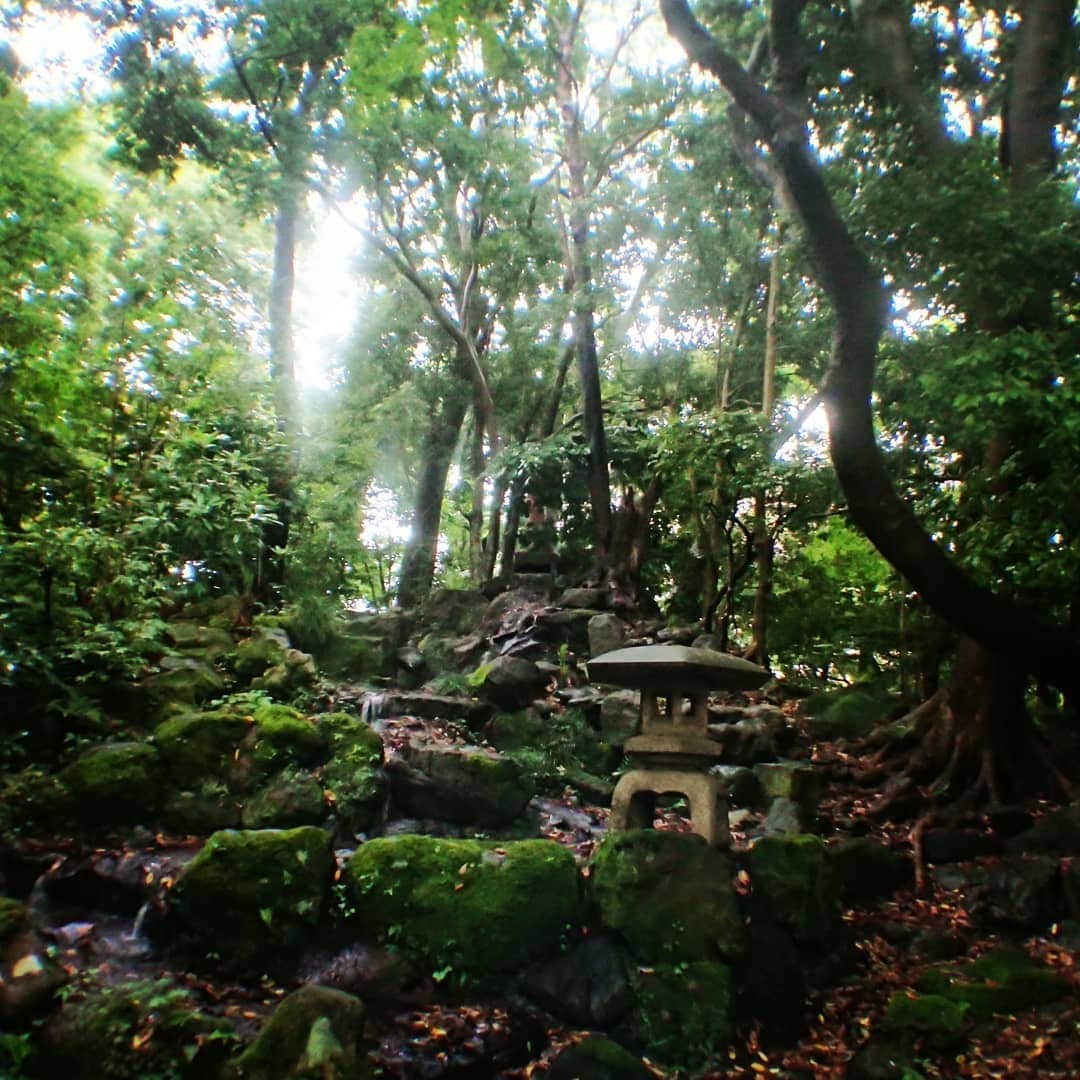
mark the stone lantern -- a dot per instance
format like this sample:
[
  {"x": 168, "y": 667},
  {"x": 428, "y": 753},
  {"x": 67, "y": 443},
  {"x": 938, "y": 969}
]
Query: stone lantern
[{"x": 673, "y": 752}]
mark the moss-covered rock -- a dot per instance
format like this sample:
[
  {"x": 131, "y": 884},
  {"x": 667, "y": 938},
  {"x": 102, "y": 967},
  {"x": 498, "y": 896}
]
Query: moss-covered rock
[
  {"x": 249, "y": 895},
  {"x": 670, "y": 895},
  {"x": 478, "y": 908},
  {"x": 845, "y": 714},
  {"x": 1004, "y": 981},
  {"x": 264, "y": 649},
  {"x": 597, "y": 1058},
  {"x": 937, "y": 1021},
  {"x": 315, "y": 1032},
  {"x": 283, "y": 736},
  {"x": 353, "y": 776},
  {"x": 13, "y": 917},
  {"x": 131, "y": 1029},
  {"x": 684, "y": 1012},
  {"x": 291, "y": 798},
  {"x": 33, "y": 802},
  {"x": 201, "y": 746},
  {"x": 202, "y": 810},
  {"x": 184, "y": 681},
  {"x": 115, "y": 784},
  {"x": 791, "y": 874},
  {"x": 863, "y": 870}
]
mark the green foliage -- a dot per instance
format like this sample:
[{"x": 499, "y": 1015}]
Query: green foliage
[{"x": 135, "y": 1028}]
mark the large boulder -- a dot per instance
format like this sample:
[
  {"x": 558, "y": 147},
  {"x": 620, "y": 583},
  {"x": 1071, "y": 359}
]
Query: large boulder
[
  {"x": 468, "y": 785},
  {"x": 606, "y": 633},
  {"x": 315, "y": 1031},
  {"x": 115, "y": 784},
  {"x": 620, "y": 716},
  {"x": 685, "y": 1013},
  {"x": 291, "y": 798},
  {"x": 863, "y": 870},
  {"x": 199, "y": 746},
  {"x": 792, "y": 877},
  {"x": 453, "y": 611},
  {"x": 510, "y": 682},
  {"x": 473, "y": 907},
  {"x": 588, "y": 986},
  {"x": 670, "y": 896},
  {"x": 254, "y": 896}
]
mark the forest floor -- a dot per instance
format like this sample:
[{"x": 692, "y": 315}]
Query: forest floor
[{"x": 434, "y": 1035}]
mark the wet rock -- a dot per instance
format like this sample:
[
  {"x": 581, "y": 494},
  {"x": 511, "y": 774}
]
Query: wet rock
[
  {"x": 315, "y": 1031},
  {"x": 588, "y": 986},
  {"x": 468, "y": 710},
  {"x": 29, "y": 977},
  {"x": 254, "y": 896},
  {"x": 606, "y": 633},
  {"x": 469, "y": 785},
  {"x": 472, "y": 906},
  {"x": 669, "y": 895},
  {"x": 412, "y": 667},
  {"x": 363, "y": 969}
]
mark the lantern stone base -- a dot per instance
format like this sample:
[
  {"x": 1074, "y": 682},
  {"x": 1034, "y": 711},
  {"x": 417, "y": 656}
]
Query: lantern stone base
[{"x": 633, "y": 805}]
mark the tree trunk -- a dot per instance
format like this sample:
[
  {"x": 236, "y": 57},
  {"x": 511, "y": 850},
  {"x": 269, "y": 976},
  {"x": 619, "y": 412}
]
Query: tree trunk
[
  {"x": 764, "y": 543},
  {"x": 580, "y": 275},
  {"x": 418, "y": 562},
  {"x": 281, "y": 482}
]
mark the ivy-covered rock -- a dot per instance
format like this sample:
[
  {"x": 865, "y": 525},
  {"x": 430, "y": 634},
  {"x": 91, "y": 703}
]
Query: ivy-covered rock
[
  {"x": 684, "y": 1012},
  {"x": 863, "y": 870},
  {"x": 597, "y": 1058},
  {"x": 200, "y": 746},
  {"x": 1000, "y": 982},
  {"x": 295, "y": 671},
  {"x": 182, "y": 681},
  {"x": 474, "y": 907},
  {"x": 352, "y": 776},
  {"x": 250, "y": 895},
  {"x": 115, "y": 784},
  {"x": 291, "y": 798},
  {"x": 314, "y": 1032},
  {"x": 670, "y": 895}
]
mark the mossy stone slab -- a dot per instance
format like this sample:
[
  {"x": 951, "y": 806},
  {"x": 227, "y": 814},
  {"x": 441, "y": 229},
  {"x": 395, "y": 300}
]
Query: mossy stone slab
[
  {"x": 249, "y": 894},
  {"x": 670, "y": 895},
  {"x": 793, "y": 876},
  {"x": 477, "y": 907}
]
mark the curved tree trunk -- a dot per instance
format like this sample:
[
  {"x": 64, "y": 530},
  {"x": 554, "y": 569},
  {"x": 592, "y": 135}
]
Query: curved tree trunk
[{"x": 860, "y": 303}]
